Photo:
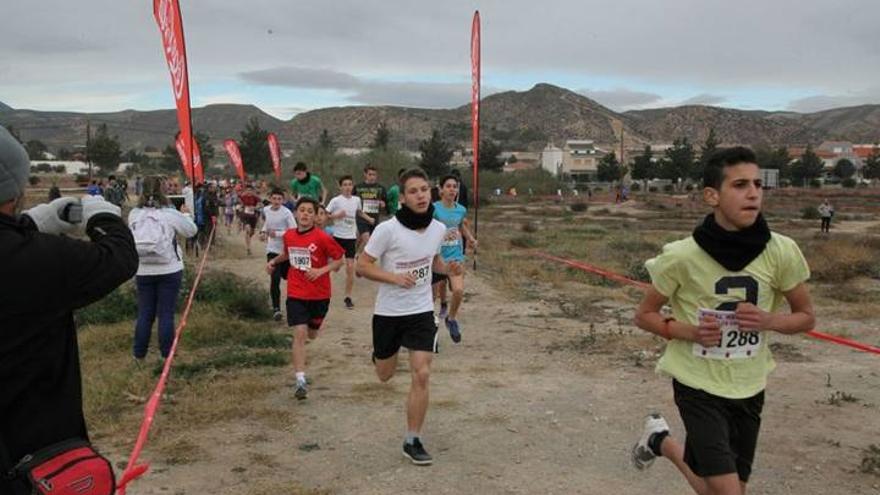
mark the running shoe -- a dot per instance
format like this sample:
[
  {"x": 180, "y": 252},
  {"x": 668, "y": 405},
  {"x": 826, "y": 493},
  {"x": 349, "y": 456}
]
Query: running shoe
[
  {"x": 277, "y": 315},
  {"x": 454, "y": 330},
  {"x": 302, "y": 390},
  {"x": 416, "y": 453},
  {"x": 444, "y": 311},
  {"x": 348, "y": 303},
  {"x": 642, "y": 455}
]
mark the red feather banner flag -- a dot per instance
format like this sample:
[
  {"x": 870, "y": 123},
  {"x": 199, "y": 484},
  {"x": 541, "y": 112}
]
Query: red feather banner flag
[
  {"x": 196, "y": 166},
  {"x": 275, "y": 152},
  {"x": 235, "y": 157},
  {"x": 475, "y": 117},
  {"x": 167, "y": 14}
]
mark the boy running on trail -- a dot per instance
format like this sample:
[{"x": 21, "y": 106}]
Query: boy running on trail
[
  {"x": 277, "y": 220},
  {"x": 250, "y": 203},
  {"x": 724, "y": 284},
  {"x": 454, "y": 216},
  {"x": 402, "y": 254},
  {"x": 373, "y": 198},
  {"x": 308, "y": 251},
  {"x": 344, "y": 210},
  {"x": 306, "y": 185}
]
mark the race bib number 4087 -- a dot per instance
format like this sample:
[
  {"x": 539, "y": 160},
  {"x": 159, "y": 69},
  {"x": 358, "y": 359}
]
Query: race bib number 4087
[{"x": 735, "y": 343}]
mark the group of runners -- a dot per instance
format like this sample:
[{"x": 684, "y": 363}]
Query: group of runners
[
  {"x": 714, "y": 296},
  {"x": 417, "y": 252}
]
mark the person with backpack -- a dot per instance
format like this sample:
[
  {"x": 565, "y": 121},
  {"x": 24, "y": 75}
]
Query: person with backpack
[{"x": 155, "y": 225}]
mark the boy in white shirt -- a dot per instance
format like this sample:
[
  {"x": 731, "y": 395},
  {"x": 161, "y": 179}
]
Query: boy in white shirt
[
  {"x": 401, "y": 254},
  {"x": 344, "y": 210},
  {"x": 277, "y": 220}
]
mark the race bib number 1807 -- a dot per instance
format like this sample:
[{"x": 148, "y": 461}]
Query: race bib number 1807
[{"x": 735, "y": 343}]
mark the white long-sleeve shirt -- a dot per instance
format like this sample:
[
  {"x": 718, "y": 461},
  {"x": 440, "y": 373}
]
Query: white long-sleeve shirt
[{"x": 181, "y": 223}]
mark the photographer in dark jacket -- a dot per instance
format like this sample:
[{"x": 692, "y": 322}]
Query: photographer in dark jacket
[{"x": 45, "y": 277}]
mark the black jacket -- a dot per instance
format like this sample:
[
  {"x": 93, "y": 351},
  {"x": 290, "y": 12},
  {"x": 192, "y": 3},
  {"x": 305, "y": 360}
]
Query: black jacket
[{"x": 43, "y": 278}]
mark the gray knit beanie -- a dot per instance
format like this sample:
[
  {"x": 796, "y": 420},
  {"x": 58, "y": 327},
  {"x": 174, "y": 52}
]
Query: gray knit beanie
[{"x": 15, "y": 167}]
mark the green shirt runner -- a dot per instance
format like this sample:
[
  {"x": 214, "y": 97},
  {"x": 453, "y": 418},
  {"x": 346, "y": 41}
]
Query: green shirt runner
[
  {"x": 310, "y": 187},
  {"x": 393, "y": 203}
]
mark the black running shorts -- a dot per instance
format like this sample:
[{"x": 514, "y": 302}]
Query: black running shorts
[
  {"x": 349, "y": 245},
  {"x": 721, "y": 433},
  {"x": 307, "y": 312},
  {"x": 436, "y": 278},
  {"x": 365, "y": 227},
  {"x": 415, "y": 332}
]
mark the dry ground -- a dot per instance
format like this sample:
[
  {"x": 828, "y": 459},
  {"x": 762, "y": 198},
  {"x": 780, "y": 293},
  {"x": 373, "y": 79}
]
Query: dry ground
[{"x": 546, "y": 394}]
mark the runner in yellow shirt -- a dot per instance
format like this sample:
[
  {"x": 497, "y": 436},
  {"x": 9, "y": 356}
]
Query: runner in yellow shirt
[{"x": 724, "y": 285}]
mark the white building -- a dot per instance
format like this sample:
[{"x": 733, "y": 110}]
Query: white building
[{"x": 551, "y": 159}]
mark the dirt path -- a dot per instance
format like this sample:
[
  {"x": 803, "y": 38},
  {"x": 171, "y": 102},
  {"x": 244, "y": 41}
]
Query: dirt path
[{"x": 530, "y": 402}]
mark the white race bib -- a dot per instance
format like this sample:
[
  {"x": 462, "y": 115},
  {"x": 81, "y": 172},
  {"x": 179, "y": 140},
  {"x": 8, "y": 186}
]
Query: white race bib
[
  {"x": 735, "y": 343},
  {"x": 279, "y": 233},
  {"x": 452, "y": 237},
  {"x": 348, "y": 222},
  {"x": 371, "y": 206},
  {"x": 420, "y": 269},
  {"x": 300, "y": 258},
  {"x": 249, "y": 210}
]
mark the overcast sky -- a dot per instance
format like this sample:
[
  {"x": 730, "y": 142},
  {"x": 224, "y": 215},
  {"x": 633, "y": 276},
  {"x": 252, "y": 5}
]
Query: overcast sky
[{"x": 289, "y": 56}]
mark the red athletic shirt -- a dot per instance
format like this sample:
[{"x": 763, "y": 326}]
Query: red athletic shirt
[
  {"x": 309, "y": 249},
  {"x": 250, "y": 202}
]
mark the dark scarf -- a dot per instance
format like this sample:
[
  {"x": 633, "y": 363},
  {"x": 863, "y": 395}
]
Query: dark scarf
[
  {"x": 306, "y": 180},
  {"x": 732, "y": 250},
  {"x": 413, "y": 220}
]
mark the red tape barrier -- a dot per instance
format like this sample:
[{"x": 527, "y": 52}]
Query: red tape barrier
[
  {"x": 134, "y": 470},
  {"x": 642, "y": 285}
]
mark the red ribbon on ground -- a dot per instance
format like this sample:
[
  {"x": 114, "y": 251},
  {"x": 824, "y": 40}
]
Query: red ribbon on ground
[
  {"x": 134, "y": 470},
  {"x": 642, "y": 285}
]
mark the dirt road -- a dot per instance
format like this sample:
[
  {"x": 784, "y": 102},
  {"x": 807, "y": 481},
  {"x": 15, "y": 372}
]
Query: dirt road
[{"x": 529, "y": 402}]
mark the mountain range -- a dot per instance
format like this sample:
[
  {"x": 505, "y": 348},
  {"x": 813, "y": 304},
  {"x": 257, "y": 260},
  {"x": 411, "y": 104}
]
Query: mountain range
[{"x": 519, "y": 120}]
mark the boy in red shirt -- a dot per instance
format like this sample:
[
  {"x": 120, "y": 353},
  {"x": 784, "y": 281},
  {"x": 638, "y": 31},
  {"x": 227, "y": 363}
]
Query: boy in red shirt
[{"x": 309, "y": 251}]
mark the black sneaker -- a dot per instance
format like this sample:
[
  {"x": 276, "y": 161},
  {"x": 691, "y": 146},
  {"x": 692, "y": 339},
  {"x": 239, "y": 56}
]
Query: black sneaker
[
  {"x": 276, "y": 314},
  {"x": 417, "y": 454},
  {"x": 348, "y": 303}
]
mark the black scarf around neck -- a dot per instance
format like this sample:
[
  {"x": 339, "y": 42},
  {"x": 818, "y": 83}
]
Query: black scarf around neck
[
  {"x": 306, "y": 180},
  {"x": 733, "y": 250},
  {"x": 413, "y": 220}
]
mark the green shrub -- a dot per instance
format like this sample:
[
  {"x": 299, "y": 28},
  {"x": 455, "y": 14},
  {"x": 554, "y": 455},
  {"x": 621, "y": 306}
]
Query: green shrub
[
  {"x": 652, "y": 189},
  {"x": 530, "y": 227},
  {"x": 815, "y": 183},
  {"x": 810, "y": 213},
  {"x": 231, "y": 293},
  {"x": 848, "y": 183},
  {"x": 119, "y": 305},
  {"x": 635, "y": 187},
  {"x": 668, "y": 188},
  {"x": 523, "y": 241},
  {"x": 578, "y": 207}
]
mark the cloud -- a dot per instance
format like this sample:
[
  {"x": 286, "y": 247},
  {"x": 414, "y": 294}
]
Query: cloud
[
  {"x": 818, "y": 103},
  {"x": 302, "y": 77},
  {"x": 366, "y": 91},
  {"x": 620, "y": 99},
  {"x": 705, "y": 99}
]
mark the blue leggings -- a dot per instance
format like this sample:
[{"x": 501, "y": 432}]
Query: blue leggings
[{"x": 156, "y": 294}]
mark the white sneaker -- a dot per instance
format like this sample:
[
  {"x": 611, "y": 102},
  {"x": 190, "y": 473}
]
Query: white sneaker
[{"x": 642, "y": 455}]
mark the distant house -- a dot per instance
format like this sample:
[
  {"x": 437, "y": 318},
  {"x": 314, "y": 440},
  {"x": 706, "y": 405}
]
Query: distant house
[{"x": 578, "y": 160}]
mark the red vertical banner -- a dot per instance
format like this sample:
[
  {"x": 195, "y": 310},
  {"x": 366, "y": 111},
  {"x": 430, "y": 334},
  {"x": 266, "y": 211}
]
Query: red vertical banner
[
  {"x": 475, "y": 118},
  {"x": 167, "y": 14},
  {"x": 184, "y": 158},
  {"x": 195, "y": 166},
  {"x": 275, "y": 152},
  {"x": 235, "y": 157},
  {"x": 198, "y": 168}
]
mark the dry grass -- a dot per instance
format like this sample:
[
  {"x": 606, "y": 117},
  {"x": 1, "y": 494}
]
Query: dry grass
[{"x": 840, "y": 259}]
